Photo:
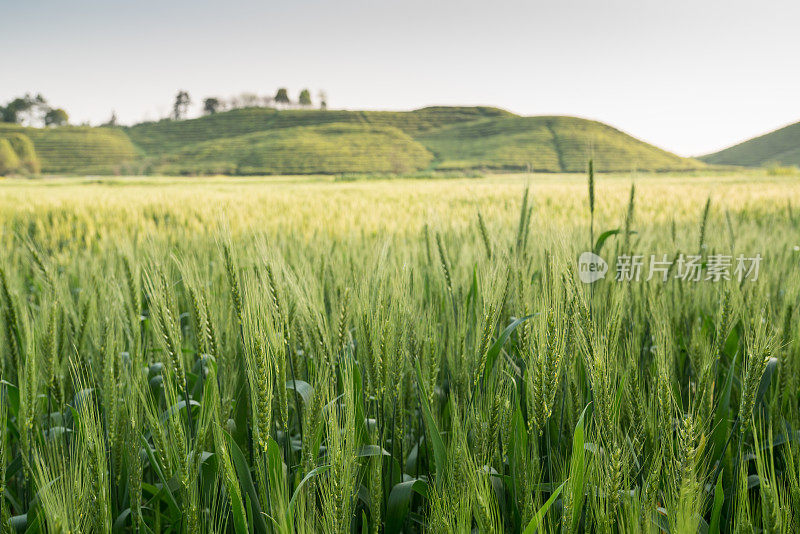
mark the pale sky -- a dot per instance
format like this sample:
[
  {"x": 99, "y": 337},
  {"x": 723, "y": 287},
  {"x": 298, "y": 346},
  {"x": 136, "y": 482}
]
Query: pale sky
[{"x": 689, "y": 76}]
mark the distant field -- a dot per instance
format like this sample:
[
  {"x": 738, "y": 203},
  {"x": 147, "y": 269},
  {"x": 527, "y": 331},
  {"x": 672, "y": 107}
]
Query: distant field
[{"x": 390, "y": 204}]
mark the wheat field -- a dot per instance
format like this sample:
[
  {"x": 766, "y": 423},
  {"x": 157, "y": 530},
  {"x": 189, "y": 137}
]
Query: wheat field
[{"x": 310, "y": 354}]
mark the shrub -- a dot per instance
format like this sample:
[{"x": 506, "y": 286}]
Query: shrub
[
  {"x": 9, "y": 162},
  {"x": 23, "y": 146}
]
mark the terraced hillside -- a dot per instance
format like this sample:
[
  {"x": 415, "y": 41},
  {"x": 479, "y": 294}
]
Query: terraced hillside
[
  {"x": 552, "y": 144},
  {"x": 269, "y": 141},
  {"x": 781, "y": 147},
  {"x": 169, "y": 136},
  {"x": 328, "y": 148},
  {"x": 78, "y": 149}
]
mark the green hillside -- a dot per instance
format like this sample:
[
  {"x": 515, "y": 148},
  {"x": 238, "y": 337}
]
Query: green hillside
[
  {"x": 552, "y": 144},
  {"x": 270, "y": 141},
  {"x": 169, "y": 136},
  {"x": 78, "y": 149},
  {"x": 328, "y": 148},
  {"x": 781, "y": 147}
]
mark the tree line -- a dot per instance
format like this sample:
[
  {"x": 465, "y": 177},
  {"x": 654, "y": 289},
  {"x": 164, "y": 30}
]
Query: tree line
[
  {"x": 32, "y": 110},
  {"x": 281, "y": 99}
]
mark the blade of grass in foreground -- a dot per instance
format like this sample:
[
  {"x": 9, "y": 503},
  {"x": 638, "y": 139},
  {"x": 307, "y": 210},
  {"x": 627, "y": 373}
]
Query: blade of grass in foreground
[
  {"x": 576, "y": 473},
  {"x": 537, "y": 518},
  {"x": 439, "y": 452}
]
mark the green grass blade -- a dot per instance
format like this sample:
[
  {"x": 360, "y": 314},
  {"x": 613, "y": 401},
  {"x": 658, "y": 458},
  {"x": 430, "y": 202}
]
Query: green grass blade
[
  {"x": 311, "y": 474},
  {"x": 497, "y": 346},
  {"x": 719, "y": 499},
  {"x": 246, "y": 480},
  {"x": 537, "y": 518},
  {"x": 400, "y": 502},
  {"x": 439, "y": 451},
  {"x": 577, "y": 471}
]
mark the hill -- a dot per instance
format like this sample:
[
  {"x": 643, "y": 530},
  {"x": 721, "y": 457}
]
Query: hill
[
  {"x": 780, "y": 147},
  {"x": 168, "y": 136},
  {"x": 270, "y": 141},
  {"x": 78, "y": 149},
  {"x": 328, "y": 148},
  {"x": 551, "y": 144}
]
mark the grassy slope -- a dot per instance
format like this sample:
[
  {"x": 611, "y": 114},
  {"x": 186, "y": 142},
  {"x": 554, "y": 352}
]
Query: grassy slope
[
  {"x": 780, "y": 147},
  {"x": 170, "y": 136},
  {"x": 77, "y": 149},
  {"x": 264, "y": 140},
  {"x": 328, "y": 148},
  {"x": 546, "y": 144},
  {"x": 459, "y": 138}
]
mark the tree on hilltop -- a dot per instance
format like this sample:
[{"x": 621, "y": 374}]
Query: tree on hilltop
[
  {"x": 112, "y": 121},
  {"x": 181, "y": 105},
  {"x": 56, "y": 117},
  {"x": 211, "y": 105},
  {"x": 305, "y": 98},
  {"x": 282, "y": 97},
  {"x": 12, "y": 111},
  {"x": 26, "y": 110}
]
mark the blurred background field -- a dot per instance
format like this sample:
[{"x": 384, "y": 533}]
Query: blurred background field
[{"x": 306, "y": 205}]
